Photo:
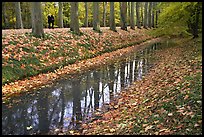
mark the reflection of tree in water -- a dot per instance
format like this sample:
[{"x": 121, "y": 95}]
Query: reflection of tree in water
[
  {"x": 61, "y": 123},
  {"x": 122, "y": 75},
  {"x": 96, "y": 89},
  {"x": 42, "y": 106},
  {"x": 11, "y": 119},
  {"x": 48, "y": 109},
  {"x": 111, "y": 81},
  {"x": 102, "y": 73},
  {"x": 88, "y": 108},
  {"x": 139, "y": 68},
  {"x": 131, "y": 71},
  {"x": 22, "y": 115},
  {"x": 85, "y": 98},
  {"x": 77, "y": 115}
]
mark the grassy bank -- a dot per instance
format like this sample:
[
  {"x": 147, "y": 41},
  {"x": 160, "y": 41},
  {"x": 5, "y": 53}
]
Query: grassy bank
[{"x": 24, "y": 56}]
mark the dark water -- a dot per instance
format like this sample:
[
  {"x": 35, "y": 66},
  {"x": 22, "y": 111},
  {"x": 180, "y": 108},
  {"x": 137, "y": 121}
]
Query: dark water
[{"x": 70, "y": 102}]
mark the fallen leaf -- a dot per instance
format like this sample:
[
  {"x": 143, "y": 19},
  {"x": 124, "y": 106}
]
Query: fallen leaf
[
  {"x": 112, "y": 130},
  {"x": 71, "y": 131},
  {"x": 170, "y": 114},
  {"x": 148, "y": 127}
]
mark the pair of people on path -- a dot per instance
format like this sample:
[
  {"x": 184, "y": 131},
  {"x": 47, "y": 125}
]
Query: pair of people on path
[{"x": 50, "y": 21}]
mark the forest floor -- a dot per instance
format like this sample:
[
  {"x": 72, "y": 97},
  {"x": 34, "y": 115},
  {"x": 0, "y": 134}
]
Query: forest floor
[
  {"x": 30, "y": 63},
  {"x": 167, "y": 101}
]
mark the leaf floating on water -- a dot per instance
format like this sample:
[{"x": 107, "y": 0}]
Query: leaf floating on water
[{"x": 29, "y": 128}]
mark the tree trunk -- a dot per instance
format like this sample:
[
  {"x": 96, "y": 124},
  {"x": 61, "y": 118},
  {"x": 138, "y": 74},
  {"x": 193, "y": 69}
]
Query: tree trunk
[
  {"x": 104, "y": 13},
  {"x": 96, "y": 20},
  {"x": 13, "y": 23},
  {"x": 37, "y": 22},
  {"x": 129, "y": 13},
  {"x": 145, "y": 14},
  {"x": 60, "y": 15},
  {"x": 112, "y": 17},
  {"x": 29, "y": 20},
  {"x": 153, "y": 10},
  {"x": 74, "y": 23},
  {"x": 5, "y": 18},
  {"x": 123, "y": 15},
  {"x": 156, "y": 17},
  {"x": 141, "y": 6},
  {"x": 132, "y": 20},
  {"x": 196, "y": 19},
  {"x": 19, "y": 23},
  {"x": 138, "y": 15},
  {"x": 86, "y": 14},
  {"x": 149, "y": 14}
]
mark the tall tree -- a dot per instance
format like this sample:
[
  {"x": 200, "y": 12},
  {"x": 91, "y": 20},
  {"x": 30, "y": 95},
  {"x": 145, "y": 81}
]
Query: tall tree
[
  {"x": 193, "y": 21},
  {"x": 138, "y": 15},
  {"x": 132, "y": 20},
  {"x": 145, "y": 14},
  {"x": 74, "y": 23},
  {"x": 112, "y": 17},
  {"x": 123, "y": 15},
  {"x": 149, "y": 15},
  {"x": 96, "y": 20},
  {"x": 86, "y": 14},
  {"x": 156, "y": 16},
  {"x": 26, "y": 15},
  {"x": 104, "y": 13},
  {"x": 60, "y": 15},
  {"x": 141, "y": 6},
  {"x": 153, "y": 11},
  {"x": 129, "y": 12},
  {"x": 19, "y": 23},
  {"x": 5, "y": 23},
  {"x": 37, "y": 22}
]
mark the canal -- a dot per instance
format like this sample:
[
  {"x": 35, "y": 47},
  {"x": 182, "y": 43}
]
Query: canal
[{"x": 70, "y": 102}]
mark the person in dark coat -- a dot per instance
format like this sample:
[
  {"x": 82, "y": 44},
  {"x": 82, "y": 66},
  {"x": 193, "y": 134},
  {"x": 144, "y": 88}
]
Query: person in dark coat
[
  {"x": 52, "y": 21},
  {"x": 49, "y": 21}
]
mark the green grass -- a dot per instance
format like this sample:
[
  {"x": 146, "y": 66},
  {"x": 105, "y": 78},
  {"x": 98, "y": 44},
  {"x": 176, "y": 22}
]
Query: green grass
[{"x": 13, "y": 69}]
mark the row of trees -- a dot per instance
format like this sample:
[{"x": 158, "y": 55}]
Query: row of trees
[
  {"x": 168, "y": 17},
  {"x": 125, "y": 8}
]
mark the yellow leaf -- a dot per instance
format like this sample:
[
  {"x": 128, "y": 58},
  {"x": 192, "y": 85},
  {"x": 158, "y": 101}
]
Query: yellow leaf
[
  {"x": 112, "y": 130},
  {"x": 170, "y": 114}
]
